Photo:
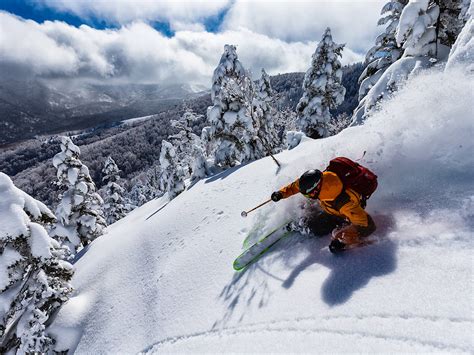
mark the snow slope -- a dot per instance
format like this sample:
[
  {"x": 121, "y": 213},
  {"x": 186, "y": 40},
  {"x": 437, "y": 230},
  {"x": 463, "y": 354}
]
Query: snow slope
[{"x": 166, "y": 284}]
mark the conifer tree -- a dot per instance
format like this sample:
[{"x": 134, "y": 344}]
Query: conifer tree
[
  {"x": 151, "y": 186},
  {"x": 172, "y": 172},
  {"x": 386, "y": 50},
  {"x": 466, "y": 11},
  {"x": 264, "y": 113},
  {"x": 462, "y": 52},
  {"x": 425, "y": 29},
  {"x": 285, "y": 121},
  {"x": 144, "y": 187},
  {"x": 416, "y": 30},
  {"x": 190, "y": 148},
  {"x": 79, "y": 213},
  {"x": 451, "y": 20},
  {"x": 34, "y": 277},
  {"x": 323, "y": 90},
  {"x": 137, "y": 195},
  {"x": 231, "y": 129},
  {"x": 114, "y": 208}
]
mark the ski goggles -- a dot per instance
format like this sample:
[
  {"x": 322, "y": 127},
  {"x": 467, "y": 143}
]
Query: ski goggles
[{"x": 313, "y": 193}]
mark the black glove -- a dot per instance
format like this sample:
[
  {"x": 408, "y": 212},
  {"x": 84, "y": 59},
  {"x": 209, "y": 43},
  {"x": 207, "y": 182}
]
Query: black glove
[{"x": 277, "y": 196}]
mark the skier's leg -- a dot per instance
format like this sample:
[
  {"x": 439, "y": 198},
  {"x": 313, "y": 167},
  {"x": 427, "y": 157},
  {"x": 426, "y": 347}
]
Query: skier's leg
[
  {"x": 321, "y": 223},
  {"x": 366, "y": 231},
  {"x": 351, "y": 235}
]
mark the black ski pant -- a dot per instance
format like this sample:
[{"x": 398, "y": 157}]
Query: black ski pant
[{"x": 321, "y": 223}]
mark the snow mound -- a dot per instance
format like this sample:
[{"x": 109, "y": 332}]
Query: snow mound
[{"x": 164, "y": 283}]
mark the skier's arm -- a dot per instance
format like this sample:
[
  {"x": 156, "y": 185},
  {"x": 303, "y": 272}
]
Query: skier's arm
[
  {"x": 287, "y": 191},
  {"x": 290, "y": 189}
]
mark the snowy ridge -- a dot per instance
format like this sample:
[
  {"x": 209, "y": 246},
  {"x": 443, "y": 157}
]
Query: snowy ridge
[{"x": 166, "y": 284}]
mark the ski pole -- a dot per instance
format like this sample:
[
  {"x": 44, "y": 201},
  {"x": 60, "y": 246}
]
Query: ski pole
[
  {"x": 270, "y": 152},
  {"x": 244, "y": 213},
  {"x": 276, "y": 161}
]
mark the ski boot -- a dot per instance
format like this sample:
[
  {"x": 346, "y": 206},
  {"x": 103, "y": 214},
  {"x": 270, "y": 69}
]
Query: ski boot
[{"x": 336, "y": 246}]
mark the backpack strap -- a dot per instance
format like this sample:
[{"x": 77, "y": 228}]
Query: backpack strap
[{"x": 340, "y": 200}]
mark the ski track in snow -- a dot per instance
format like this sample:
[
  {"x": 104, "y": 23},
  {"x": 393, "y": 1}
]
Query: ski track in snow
[{"x": 309, "y": 325}]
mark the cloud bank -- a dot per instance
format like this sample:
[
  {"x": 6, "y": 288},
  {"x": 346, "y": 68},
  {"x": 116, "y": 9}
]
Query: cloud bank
[
  {"x": 278, "y": 36},
  {"x": 180, "y": 14},
  {"x": 352, "y": 21}
]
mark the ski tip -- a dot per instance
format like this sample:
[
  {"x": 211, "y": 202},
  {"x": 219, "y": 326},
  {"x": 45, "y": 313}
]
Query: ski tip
[{"x": 237, "y": 266}]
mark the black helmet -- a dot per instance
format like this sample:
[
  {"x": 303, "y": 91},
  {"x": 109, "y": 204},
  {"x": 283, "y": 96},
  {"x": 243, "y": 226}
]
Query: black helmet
[{"x": 309, "y": 181}]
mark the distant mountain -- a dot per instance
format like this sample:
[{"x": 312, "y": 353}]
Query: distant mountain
[
  {"x": 135, "y": 147},
  {"x": 34, "y": 107}
]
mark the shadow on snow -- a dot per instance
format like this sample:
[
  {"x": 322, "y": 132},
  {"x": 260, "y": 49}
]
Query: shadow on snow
[
  {"x": 349, "y": 271},
  {"x": 219, "y": 175},
  {"x": 223, "y": 174}
]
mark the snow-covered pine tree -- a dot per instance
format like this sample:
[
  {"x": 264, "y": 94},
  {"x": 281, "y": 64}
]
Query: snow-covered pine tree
[
  {"x": 416, "y": 30},
  {"x": 200, "y": 166},
  {"x": 137, "y": 195},
  {"x": 151, "y": 184},
  {"x": 385, "y": 52},
  {"x": 427, "y": 25},
  {"x": 462, "y": 52},
  {"x": 229, "y": 67},
  {"x": 231, "y": 129},
  {"x": 322, "y": 87},
  {"x": 422, "y": 34},
  {"x": 79, "y": 213},
  {"x": 451, "y": 20},
  {"x": 264, "y": 113},
  {"x": 466, "y": 11},
  {"x": 144, "y": 187},
  {"x": 114, "y": 208},
  {"x": 34, "y": 278},
  {"x": 285, "y": 121},
  {"x": 339, "y": 123},
  {"x": 189, "y": 147},
  {"x": 172, "y": 172}
]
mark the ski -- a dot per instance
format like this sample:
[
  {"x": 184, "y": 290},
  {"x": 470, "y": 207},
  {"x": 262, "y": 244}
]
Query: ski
[{"x": 255, "y": 251}]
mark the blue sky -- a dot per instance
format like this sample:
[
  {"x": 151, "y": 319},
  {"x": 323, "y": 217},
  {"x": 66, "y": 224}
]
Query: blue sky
[
  {"x": 39, "y": 12},
  {"x": 177, "y": 41}
]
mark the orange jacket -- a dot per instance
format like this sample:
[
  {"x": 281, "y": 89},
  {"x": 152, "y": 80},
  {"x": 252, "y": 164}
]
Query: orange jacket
[{"x": 332, "y": 200}]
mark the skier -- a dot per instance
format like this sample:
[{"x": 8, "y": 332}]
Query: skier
[{"x": 340, "y": 204}]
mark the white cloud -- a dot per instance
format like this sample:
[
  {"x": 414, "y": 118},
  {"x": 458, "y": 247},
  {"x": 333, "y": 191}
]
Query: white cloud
[
  {"x": 277, "y": 35},
  {"x": 25, "y": 44},
  {"x": 139, "y": 53},
  {"x": 352, "y": 21},
  {"x": 255, "y": 50},
  {"x": 177, "y": 13}
]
